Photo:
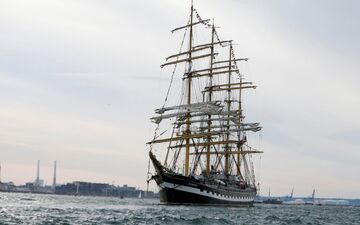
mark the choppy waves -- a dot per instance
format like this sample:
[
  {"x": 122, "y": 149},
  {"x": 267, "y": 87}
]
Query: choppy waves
[{"x": 52, "y": 209}]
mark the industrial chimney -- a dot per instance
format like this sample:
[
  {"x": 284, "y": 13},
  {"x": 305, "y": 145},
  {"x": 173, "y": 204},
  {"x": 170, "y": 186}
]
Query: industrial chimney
[
  {"x": 37, "y": 181},
  {"x": 54, "y": 179}
]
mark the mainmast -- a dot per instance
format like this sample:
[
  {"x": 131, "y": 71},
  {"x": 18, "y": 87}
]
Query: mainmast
[
  {"x": 227, "y": 147},
  {"x": 188, "y": 123}
]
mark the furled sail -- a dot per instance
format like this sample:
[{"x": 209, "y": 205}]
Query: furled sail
[{"x": 215, "y": 105}]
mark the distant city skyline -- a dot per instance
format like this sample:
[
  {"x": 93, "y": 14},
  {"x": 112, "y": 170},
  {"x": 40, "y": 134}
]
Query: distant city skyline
[
  {"x": 80, "y": 79},
  {"x": 37, "y": 177}
]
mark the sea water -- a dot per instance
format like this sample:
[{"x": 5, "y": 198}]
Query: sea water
[{"x": 54, "y": 209}]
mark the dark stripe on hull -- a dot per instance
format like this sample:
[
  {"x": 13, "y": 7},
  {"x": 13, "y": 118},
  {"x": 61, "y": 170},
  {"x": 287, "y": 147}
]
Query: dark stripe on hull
[{"x": 172, "y": 196}]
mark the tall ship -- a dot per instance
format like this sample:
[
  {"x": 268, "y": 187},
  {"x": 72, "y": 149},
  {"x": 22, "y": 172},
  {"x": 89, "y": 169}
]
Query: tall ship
[{"x": 200, "y": 152}]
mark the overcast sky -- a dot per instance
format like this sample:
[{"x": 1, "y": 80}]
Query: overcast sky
[{"x": 79, "y": 80}]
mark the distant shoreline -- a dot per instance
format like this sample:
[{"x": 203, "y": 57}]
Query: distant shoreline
[{"x": 74, "y": 195}]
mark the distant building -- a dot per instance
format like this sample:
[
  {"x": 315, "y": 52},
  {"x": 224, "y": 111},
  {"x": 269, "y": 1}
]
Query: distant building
[
  {"x": 39, "y": 183},
  {"x": 10, "y": 186},
  {"x": 100, "y": 189}
]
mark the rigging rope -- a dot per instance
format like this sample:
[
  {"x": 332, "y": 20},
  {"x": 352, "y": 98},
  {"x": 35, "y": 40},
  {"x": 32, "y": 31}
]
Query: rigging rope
[
  {"x": 170, "y": 85},
  {"x": 165, "y": 101},
  {"x": 205, "y": 22},
  {"x": 236, "y": 66},
  {"x": 173, "y": 73}
]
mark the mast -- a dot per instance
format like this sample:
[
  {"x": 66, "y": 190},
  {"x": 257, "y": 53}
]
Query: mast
[
  {"x": 239, "y": 146},
  {"x": 227, "y": 147},
  {"x": 187, "y": 132},
  {"x": 208, "y": 148}
]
